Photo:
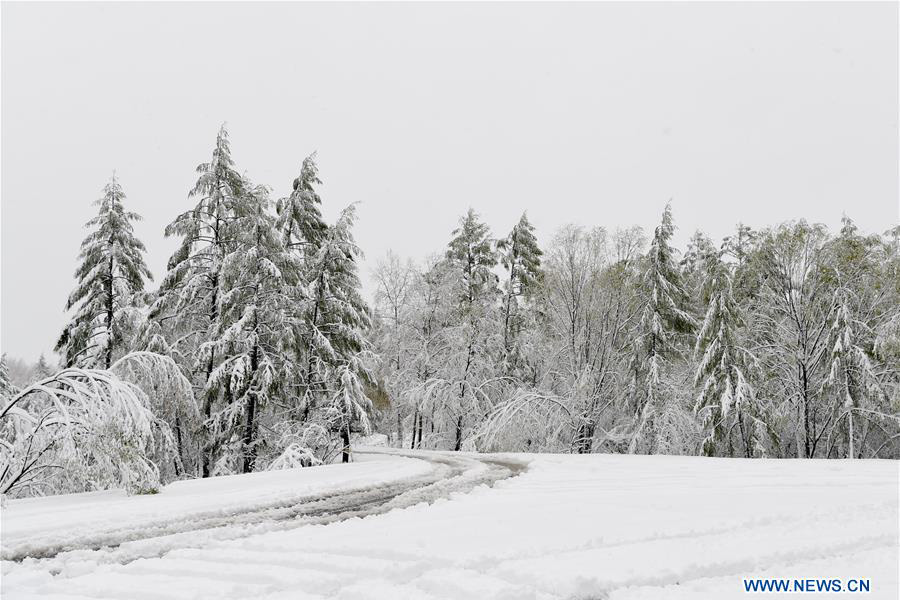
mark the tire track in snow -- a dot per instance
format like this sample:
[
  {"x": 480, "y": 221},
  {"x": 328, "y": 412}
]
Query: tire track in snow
[{"x": 452, "y": 473}]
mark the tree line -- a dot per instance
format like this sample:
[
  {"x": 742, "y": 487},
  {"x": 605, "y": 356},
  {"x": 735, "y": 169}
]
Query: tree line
[
  {"x": 257, "y": 350},
  {"x": 782, "y": 342}
]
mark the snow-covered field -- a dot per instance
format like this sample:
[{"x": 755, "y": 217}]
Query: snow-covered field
[{"x": 567, "y": 527}]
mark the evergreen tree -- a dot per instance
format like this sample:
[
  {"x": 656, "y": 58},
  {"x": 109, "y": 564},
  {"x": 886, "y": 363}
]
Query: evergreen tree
[
  {"x": 851, "y": 375},
  {"x": 258, "y": 273},
  {"x": 303, "y": 229},
  {"x": 472, "y": 257},
  {"x": 471, "y": 253},
  {"x": 299, "y": 215},
  {"x": 192, "y": 292},
  {"x": 7, "y": 387},
  {"x": 664, "y": 317},
  {"x": 112, "y": 271},
  {"x": 333, "y": 323},
  {"x": 42, "y": 369},
  {"x": 742, "y": 247},
  {"x": 695, "y": 263},
  {"x": 521, "y": 257},
  {"x": 727, "y": 398}
]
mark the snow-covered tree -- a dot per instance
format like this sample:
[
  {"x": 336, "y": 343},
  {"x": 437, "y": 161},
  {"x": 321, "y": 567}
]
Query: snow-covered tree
[
  {"x": 84, "y": 429},
  {"x": 471, "y": 257},
  {"x": 190, "y": 300},
  {"x": 851, "y": 374},
  {"x": 259, "y": 274},
  {"x": 588, "y": 306},
  {"x": 431, "y": 330},
  {"x": 886, "y": 345},
  {"x": 112, "y": 270},
  {"x": 663, "y": 320},
  {"x": 740, "y": 245},
  {"x": 791, "y": 322},
  {"x": 42, "y": 369},
  {"x": 7, "y": 387},
  {"x": 725, "y": 371},
  {"x": 332, "y": 333},
  {"x": 299, "y": 215},
  {"x": 741, "y": 248},
  {"x": 394, "y": 333},
  {"x": 521, "y": 257},
  {"x": 694, "y": 266}
]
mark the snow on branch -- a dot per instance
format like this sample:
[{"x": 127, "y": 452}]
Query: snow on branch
[{"x": 84, "y": 429}]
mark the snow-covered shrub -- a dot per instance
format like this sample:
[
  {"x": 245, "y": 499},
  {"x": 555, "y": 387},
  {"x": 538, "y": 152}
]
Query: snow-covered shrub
[
  {"x": 86, "y": 429},
  {"x": 297, "y": 444},
  {"x": 294, "y": 456}
]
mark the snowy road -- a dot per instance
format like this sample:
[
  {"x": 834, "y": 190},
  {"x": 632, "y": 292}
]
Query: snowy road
[
  {"x": 565, "y": 528},
  {"x": 127, "y": 536}
]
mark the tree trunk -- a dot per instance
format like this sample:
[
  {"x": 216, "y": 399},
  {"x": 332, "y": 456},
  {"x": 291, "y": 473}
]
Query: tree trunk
[
  {"x": 421, "y": 421},
  {"x": 109, "y": 312},
  {"x": 345, "y": 437},
  {"x": 208, "y": 400},
  {"x": 744, "y": 435},
  {"x": 459, "y": 432},
  {"x": 250, "y": 427},
  {"x": 179, "y": 459},
  {"x": 207, "y": 413},
  {"x": 249, "y": 430},
  {"x": 585, "y": 439},
  {"x": 850, "y": 453}
]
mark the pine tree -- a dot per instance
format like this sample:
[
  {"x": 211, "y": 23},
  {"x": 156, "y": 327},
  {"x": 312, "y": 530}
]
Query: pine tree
[
  {"x": 664, "y": 317},
  {"x": 742, "y": 247},
  {"x": 472, "y": 257},
  {"x": 725, "y": 369},
  {"x": 851, "y": 374},
  {"x": 42, "y": 369},
  {"x": 112, "y": 271},
  {"x": 303, "y": 229},
  {"x": 334, "y": 320},
  {"x": 7, "y": 388},
  {"x": 471, "y": 253},
  {"x": 700, "y": 252},
  {"x": 299, "y": 215},
  {"x": 258, "y": 273},
  {"x": 521, "y": 257},
  {"x": 191, "y": 294}
]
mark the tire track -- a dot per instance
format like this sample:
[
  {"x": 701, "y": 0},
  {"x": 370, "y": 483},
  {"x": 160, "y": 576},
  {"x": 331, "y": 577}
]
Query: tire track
[{"x": 452, "y": 473}]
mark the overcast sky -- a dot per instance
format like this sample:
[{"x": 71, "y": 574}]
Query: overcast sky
[{"x": 588, "y": 113}]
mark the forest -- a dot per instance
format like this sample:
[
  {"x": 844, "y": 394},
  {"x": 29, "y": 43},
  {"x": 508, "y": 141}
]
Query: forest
[{"x": 257, "y": 349}]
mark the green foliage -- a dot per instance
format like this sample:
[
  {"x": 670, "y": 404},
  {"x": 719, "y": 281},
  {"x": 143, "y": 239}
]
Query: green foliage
[{"x": 111, "y": 272}]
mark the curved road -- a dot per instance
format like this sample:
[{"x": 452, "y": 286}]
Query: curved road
[{"x": 451, "y": 473}]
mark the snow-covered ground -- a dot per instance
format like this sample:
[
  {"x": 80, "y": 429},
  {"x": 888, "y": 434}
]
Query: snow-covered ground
[{"x": 568, "y": 527}]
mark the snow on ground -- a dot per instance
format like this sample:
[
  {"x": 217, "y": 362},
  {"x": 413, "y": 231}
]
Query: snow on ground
[
  {"x": 97, "y": 518},
  {"x": 570, "y": 527}
]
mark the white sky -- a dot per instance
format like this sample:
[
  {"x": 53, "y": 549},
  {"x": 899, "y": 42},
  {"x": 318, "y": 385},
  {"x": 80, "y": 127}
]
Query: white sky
[{"x": 587, "y": 113}]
